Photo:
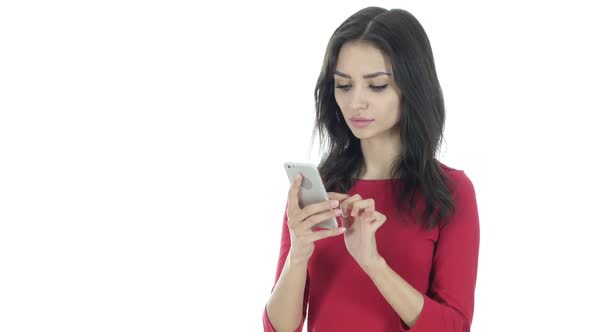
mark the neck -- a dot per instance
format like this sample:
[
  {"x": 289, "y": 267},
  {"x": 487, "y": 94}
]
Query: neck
[{"x": 379, "y": 154}]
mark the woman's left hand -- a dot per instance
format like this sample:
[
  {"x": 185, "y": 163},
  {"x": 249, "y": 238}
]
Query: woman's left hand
[{"x": 361, "y": 222}]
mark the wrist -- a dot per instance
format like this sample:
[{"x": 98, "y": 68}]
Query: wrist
[{"x": 296, "y": 261}]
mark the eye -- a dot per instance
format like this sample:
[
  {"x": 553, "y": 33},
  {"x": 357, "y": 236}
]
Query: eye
[
  {"x": 379, "y": 87},
  {"x": 374, "y": 87}
]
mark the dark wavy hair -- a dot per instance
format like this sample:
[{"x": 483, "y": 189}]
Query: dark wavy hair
[{"x": 399, "y": 35}]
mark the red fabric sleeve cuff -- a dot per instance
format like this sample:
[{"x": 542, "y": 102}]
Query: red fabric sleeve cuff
[
  {"x": 266, "y": 322},
  {"x": 268, "y": 326},
  {"x": 423, "y": 323}
]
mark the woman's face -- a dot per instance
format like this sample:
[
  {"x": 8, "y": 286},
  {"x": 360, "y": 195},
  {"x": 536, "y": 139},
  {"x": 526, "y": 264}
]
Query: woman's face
[{"x": 364, "y": 88}]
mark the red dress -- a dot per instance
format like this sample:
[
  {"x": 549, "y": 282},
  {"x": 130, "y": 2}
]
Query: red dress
[{"x": 440, "y": 263}]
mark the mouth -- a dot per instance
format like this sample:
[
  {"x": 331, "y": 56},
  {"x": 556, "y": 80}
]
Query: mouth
[{"x": 361, "y": 123}]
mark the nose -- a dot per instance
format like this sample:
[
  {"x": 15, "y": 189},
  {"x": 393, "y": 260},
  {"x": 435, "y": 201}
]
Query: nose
[{"x": 358, "y": 100}]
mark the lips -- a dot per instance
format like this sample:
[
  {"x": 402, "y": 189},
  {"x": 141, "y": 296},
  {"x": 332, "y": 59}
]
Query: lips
[
  {"x": 361, "y": 123},
  {"x": 360, "y": 118}
]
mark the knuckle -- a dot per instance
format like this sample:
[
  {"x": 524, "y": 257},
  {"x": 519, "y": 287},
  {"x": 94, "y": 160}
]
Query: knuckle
[
  {"x": 304, "y": 221},
  {"x": 299, "y": 219},
  {"x": 305, "y": 211},
  {"x": 316, "y": 219}
]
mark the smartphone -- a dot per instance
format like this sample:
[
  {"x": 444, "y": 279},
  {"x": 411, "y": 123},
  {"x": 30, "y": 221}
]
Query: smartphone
[{"x": 312, "y": 188}]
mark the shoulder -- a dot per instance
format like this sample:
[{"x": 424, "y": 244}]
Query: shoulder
[
  {"x": 466, "y": 214},
  {"x": 460, "y": 181},
  {"x": 450, "y": 171}
]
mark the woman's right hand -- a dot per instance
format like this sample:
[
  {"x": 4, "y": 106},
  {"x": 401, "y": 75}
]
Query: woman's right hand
[{"x": 301, "y": 222}]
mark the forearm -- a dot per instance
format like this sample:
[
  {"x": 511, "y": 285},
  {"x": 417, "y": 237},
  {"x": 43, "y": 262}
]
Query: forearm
[
  {"x": 403, "y": 298},
  {"x": 284, "y": 308}
]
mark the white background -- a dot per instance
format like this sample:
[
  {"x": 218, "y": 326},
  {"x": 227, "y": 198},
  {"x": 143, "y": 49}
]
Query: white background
[{"x": 142, "y": 143}]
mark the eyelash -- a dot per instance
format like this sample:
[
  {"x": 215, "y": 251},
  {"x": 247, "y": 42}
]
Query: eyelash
[{"x": 346, "y": 87}]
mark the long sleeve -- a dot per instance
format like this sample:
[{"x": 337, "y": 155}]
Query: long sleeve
[
  {"x": 449, "y": 303},
  {"x": 283, "y": 252}
]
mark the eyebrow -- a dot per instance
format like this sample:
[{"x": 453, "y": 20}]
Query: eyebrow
[{"x": 364, "y": 76}]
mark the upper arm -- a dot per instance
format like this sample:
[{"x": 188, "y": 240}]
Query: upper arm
[{"x": 456, "y": 255}]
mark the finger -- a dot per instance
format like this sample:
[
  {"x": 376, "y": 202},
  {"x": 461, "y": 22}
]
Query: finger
[
  {"x": 294, "y": 194},
  {"x": 337, "y": 196},
  {"x": 346, "y": 222},
  {"x": 312, "y": 209},
  {"x": 319, "y": 235},
  {"x": 379, "y": 221},
  {"x": 368, "y": 215},
  {"x": 342, "y": 198},
  {"x": 362, "y": 204},
  {"x": 346, "y": 204},
  {"x": 320, "y": 217}
]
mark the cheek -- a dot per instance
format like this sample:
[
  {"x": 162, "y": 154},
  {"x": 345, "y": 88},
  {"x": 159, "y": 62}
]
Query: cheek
[
  {"x": 341, "y": 101},
  {"x": 388, "y": 106},
  {"x": 390, "y": 101}
]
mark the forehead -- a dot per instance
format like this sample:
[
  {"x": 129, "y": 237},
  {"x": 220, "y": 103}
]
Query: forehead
[{"x": 358, "y": 58}]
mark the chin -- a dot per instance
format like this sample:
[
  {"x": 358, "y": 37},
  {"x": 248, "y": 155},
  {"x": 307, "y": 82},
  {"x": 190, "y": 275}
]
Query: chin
[{"x": 363, "y": 135}]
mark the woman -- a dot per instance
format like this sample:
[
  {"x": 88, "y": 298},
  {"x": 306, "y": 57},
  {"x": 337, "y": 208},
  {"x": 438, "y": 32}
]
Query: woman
[{"x": 405, "y": 258}]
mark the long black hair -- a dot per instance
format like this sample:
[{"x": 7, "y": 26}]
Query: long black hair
[{"x": 399, "y": 35}]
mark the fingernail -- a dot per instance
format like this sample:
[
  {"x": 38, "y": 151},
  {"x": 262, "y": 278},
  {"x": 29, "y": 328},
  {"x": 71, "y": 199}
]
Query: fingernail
[
  {"x": 338, "y": 212},
  {"x": 335, "y": 203}
]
